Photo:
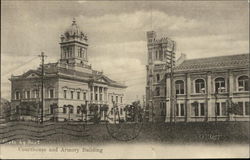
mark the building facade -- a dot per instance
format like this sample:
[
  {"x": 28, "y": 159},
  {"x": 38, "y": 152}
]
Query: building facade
[
  {"x": 161, "y": 56},
  {"x": 209, "y": 89},
  {"x": 72, "y": 89}
]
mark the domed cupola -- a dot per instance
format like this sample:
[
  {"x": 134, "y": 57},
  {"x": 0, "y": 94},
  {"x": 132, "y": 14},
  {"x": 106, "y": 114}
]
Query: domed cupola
[
  {"x": 74, "y": 46},
  {"x": 73, "y": 33}
]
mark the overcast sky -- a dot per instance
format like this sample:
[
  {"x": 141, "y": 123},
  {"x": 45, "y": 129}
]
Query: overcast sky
[{"x": 117, "y": 34}]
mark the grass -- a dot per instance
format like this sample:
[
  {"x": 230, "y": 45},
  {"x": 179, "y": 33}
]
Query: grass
[{"x": 211, "y": 132}]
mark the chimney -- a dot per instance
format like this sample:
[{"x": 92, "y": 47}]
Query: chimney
[{"x": 181, "y": 59}]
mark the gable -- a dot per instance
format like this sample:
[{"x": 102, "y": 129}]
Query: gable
[{"x": 31, "y": 74}]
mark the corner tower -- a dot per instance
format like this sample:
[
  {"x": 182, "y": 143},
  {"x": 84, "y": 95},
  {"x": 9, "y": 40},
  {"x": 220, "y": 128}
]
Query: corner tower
[
  {"x": 161, "y": 57},
  {"x": 74, "y": 47}
]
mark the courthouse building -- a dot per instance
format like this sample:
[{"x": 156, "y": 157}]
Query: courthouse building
[
  {"x": 209, "y": 89},
  {"x": 71, "y": 87}
]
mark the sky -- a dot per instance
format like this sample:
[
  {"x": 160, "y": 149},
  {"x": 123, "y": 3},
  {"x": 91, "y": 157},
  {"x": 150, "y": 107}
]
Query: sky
[{"x": 117, "y": 34}]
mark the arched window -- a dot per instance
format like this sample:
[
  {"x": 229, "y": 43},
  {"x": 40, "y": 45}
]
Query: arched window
[
  {"x": 179, "y": 87},
  {"x": 199, "y": 86},
  {"x": 71, "y": 109},
  {"x": 219, "y": 85},
  {"x": 243, "y": 83}
]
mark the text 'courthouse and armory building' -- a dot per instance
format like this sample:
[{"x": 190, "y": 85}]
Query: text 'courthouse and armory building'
[
  {"x": 70, "y": 85},
  {"x": 205, "y": 89}
]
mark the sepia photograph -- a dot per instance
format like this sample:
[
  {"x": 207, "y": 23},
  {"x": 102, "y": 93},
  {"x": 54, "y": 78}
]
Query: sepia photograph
[{"x": 135, "y": 79}]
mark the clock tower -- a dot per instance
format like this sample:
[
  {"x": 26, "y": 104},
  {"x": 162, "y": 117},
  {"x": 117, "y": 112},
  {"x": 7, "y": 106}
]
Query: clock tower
[{"x": 74, "y": 47}]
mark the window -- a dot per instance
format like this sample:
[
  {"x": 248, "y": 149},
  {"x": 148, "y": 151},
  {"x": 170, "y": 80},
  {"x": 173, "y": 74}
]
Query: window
[
  {"x": 51, "y": 93},
  {"x": 65, "y": 94},
  {"x": 71, "y": 109},
  {"x": 157, "y": 91},
  {"x": 112, "y": 98},
  {"x": 17, "y": 95},
  {"x": 221, "y": 109},
  {"x": 199, "y": 86},
  {"x": 219, "y": 85},
  {"x": 157, "y": 77},
  {"x": 78, "y": 110},
  {"x": 116, "y": 99},
  {"x": 91, "y": 96},
  {"x": 247, "y": 108},
  {"x": 64, "y": 109},
  {"x": 72, "y": 94},
  {"x": 243, "y": 83},
  {"x": 121, "y": 99},
  {"x": 17, "y": 110},
  {"x": 121, "y": 111},
  {"x": 28, "y": 94},
  {"x": 96, "y": 96},
  {"x": 27, "y": 110},
  {"x": 180, "y": 109},
  {"x": 198, "y": 109},
  {"x": 84, "y": 95},
  {"x": 100, "y": 97},
  {"x": 179, "y": 87},
  {"x": 51, "y": 109},
  {"x": 78, "y": 95},
  {"x": 240, "y": 108},
  {"x": 36, "y": 94}
]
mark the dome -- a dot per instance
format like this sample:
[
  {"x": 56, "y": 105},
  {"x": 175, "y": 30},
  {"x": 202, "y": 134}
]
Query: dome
[
  {"x": 74, "y": 32},
  {"x": 73, "y": 29}
]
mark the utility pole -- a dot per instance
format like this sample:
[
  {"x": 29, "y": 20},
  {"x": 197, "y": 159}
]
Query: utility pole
[{"x": 42, "y": 94}]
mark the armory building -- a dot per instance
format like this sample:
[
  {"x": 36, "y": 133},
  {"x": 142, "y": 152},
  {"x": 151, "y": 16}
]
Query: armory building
[
  {"x": 71, "y": 87},
  {"x": 206, "y": 89}
]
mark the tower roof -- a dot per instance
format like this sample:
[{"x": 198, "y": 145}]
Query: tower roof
[{"x": 74, "y": 32}]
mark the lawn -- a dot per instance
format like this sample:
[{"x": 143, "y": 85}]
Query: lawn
[{"x": 79, "y": 133}]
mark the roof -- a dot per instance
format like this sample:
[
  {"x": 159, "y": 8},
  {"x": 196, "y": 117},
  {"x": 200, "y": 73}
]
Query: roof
[
  {"x": 55, "y": 70},
  {"x": 219, "y": 62}
]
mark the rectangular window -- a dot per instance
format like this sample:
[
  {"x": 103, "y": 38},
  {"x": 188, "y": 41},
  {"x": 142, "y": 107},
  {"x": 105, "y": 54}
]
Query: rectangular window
[
  {"x": 72, "y": 94},
  {"x": 28, "y": 94},
  {"x": 51, "y": 109},
  {"x": 78, "y": 95},
  {"x": 182, "y": 110},
  {"x": 65, "y": 94},
  {"x": 51, "y": 93},
  {"x": 96, "y": 96},
  {"x": 240, "y": 108},
  {"x": 223, "y": 109},
  {"x": 247, "y": 108},
  {"x": 100, "y": 97},
  {"x": 121, "y": 99},
  {"x": 217, "y": 112},
  {"x": 195, "y": 111},
  {"x": 177, "y": 110},
  {"x": 112, "y": 98},
  {"x": 17, "y": 95},
  {"x": 84, "y": 95},
  {"x": 36, "y": 94},
  {"x": 91, "y": 96},
  {"x": 116, "y": 99},
  {"x": 202, "y": 109}
]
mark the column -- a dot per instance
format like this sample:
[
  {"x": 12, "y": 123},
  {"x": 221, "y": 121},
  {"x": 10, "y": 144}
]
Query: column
[
  {"x": 209, "y": 108},
  {"x": 168, "y": 110},
  {"x": 98, "y": 93},
  {"x": 188, "y": 92}
]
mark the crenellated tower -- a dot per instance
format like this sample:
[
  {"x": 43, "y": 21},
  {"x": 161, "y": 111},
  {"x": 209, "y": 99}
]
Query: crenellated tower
[{"x": 161, "y": 56}]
